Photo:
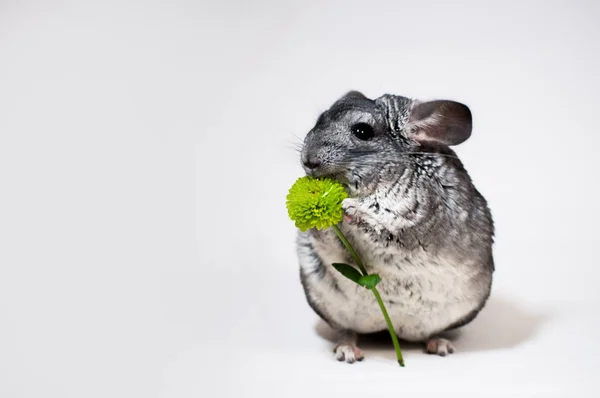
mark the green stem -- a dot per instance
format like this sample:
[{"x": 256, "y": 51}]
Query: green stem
[
  {"x": 353, "y": 253},
  {"x": 362, "y": 267},
  {"x": 390, "y": 327}
]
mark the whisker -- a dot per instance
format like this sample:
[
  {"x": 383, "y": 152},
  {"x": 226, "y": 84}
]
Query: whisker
[
  {"x": 373, "y": 159},
  {"x": 295, "y": 147},
  {"x": 431, "y": 153},
  {"x": 296, "y": 143}
]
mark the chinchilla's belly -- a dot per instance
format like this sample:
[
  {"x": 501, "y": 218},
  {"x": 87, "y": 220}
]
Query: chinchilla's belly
[{"x": 424, "y": 295}]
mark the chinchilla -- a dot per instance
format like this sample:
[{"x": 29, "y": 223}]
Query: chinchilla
[{"x": 413, "y": 215}]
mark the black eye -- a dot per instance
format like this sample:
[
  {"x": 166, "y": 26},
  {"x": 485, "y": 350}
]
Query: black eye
[{"x": 362, "y": 131}]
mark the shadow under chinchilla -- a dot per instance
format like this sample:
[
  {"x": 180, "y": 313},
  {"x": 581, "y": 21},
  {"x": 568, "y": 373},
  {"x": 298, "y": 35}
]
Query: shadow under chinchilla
[
  {"x": 379, "y": 340},
  {"x": 500, "y": 325}
]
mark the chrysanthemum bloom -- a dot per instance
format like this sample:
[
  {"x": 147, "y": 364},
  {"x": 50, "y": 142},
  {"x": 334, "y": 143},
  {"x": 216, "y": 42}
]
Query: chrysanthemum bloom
[{"x": 315, "y": 202}]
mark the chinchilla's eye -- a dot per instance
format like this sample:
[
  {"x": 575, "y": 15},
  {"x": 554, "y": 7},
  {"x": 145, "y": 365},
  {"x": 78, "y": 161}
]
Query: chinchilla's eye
[{"x": 362, "y": 131}]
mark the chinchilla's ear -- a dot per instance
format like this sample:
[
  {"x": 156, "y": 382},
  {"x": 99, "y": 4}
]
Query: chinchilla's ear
[
  {"x": 444, "y": 122},
  {"x": 354, "y": 94}
]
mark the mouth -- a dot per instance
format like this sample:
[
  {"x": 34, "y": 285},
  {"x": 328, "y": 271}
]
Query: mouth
[
  {"x": 320, "y": 171},
  {"x": 350, "y": 182}
]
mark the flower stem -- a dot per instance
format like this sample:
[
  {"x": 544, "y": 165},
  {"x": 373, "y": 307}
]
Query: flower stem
[
  {"x": 390, "y": 327},
  {"x": 362, "y": 267},
  {"x": 353, "y": 253}
]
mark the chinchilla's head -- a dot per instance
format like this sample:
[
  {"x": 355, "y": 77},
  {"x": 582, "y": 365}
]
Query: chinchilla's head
[{"x": 358, "y": 137}]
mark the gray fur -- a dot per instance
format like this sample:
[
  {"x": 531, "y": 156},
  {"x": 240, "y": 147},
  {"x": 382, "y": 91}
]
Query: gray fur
[{"x": 413, "y": 215}]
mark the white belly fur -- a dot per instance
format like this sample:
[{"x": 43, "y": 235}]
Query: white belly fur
[{"x": 423, "y": 295}]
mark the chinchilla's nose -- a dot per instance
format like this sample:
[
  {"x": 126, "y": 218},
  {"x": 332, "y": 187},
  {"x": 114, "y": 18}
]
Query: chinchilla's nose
[
  {"x": 309, "y": 158},
  {"x": 310, "y": 163}
]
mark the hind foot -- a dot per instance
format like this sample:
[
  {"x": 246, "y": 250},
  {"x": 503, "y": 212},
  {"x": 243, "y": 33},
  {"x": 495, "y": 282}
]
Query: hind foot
[
  {"x": 439, "y": 346},
  {"x": 347, "y": 350},
  {"x": 348, "y": 353}
]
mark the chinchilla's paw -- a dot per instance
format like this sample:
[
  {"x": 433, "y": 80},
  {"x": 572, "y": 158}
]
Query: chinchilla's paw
[
  {"x": 439, "y": 346},
  {"x": 348, "y": 352},
  {"x": 351, "y": 210}
]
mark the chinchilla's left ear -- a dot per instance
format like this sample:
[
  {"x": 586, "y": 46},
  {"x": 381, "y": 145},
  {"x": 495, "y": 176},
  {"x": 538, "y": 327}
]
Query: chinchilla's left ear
[
  {"x": 354, "y": 94},
  {"x": 444, "y": 122}
]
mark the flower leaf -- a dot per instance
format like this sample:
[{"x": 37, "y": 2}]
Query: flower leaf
[
  {"x": 369, "y": 281},
  {"x": 348, "y": 271}
]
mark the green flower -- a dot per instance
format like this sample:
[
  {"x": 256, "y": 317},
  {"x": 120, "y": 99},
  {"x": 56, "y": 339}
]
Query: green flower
[{"x": 315, "y": 202}]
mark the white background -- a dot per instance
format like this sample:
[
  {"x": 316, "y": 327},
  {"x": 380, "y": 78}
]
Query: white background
[{"x": 146, "y": 149}]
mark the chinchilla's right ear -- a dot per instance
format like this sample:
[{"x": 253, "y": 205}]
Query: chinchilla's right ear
[{"x": 444, "y": 122}]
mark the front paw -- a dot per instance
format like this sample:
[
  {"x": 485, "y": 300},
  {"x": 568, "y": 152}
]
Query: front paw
[{"x": 351, "y": 212}]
